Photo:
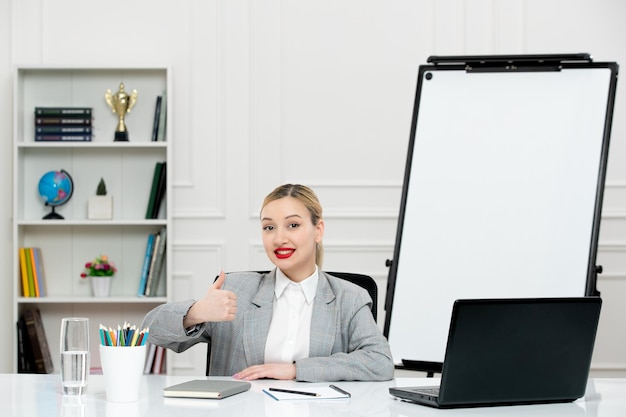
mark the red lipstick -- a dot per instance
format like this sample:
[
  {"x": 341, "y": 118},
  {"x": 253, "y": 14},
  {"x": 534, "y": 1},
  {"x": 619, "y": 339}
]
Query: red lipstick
[{"x": 283, "y": 253}]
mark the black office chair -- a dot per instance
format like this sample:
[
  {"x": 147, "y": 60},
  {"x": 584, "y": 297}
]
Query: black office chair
[{"x": 364, "y": 281}]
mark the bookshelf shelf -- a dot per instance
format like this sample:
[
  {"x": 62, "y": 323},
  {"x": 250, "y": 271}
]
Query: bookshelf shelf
[
  {"x": 90, "y": 223},
  {"x": 127, "y": 168},
  {"x": 89, "y": 300},
  {"x": 92, "y": 145}
]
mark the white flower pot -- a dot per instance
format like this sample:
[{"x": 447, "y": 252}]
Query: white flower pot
[
  {"x": 100, "y": 207},
  {"x": 101, "y": 286}
]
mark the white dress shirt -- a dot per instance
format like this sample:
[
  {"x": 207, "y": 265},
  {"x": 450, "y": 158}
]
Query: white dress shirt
[{"x": 290, "y": 329}]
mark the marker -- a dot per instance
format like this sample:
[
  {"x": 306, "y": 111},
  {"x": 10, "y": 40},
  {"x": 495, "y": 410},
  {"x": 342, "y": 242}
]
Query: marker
[
  {"x": 289, "y": 391},
  {"x": 336, "y": 388}
]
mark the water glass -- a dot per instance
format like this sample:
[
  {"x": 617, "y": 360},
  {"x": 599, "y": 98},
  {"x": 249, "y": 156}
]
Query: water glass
[{"x": 74, "y": 355}]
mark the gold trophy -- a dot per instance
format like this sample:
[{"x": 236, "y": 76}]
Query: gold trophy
[{"x": 121, "y": 103}]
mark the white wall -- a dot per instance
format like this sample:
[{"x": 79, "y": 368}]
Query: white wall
[{"x": 316, "y": 92}]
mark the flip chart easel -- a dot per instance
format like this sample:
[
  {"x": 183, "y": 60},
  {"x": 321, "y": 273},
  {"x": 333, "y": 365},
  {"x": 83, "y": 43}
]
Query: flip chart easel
[{"x": 502, "y": 193}]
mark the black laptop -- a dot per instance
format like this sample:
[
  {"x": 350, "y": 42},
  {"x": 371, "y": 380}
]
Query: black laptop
[{"x": 514, "y": 351}]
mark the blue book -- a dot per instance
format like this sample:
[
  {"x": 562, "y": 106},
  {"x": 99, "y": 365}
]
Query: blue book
[{"x": 145, "y": 270}]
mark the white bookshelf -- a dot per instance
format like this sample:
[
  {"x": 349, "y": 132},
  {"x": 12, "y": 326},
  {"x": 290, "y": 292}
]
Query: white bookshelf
[{"x": 127, "y": 168}]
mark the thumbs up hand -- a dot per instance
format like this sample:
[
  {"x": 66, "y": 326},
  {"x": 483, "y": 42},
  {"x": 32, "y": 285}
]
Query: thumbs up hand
[{"x": 216, "y": 305}]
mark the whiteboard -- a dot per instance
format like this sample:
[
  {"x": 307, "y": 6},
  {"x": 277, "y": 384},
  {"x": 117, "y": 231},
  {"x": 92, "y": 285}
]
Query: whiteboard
[{"x": 502, "y": 194}]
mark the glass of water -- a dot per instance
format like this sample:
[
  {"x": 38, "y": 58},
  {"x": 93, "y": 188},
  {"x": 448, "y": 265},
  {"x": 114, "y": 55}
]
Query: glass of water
[{"x": 74, "y": 355}]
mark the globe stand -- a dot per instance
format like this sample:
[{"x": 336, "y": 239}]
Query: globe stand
[{"x": 53, "y": 215}]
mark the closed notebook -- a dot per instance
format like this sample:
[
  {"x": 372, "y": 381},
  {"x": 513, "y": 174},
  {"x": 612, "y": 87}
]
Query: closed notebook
[{"x": 204, "y": 388}]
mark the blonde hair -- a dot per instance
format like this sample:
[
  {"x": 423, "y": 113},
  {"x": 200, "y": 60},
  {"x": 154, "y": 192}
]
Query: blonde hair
[{"x": 307, "y": 197}]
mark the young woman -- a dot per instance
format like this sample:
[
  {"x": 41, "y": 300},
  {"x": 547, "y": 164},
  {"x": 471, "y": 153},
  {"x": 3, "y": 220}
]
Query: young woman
[{"x": 295, "y": 322}]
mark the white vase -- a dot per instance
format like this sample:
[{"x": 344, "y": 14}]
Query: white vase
[
  {"x": 100, "y": 207},
  {"x": 101, "y": 286}
]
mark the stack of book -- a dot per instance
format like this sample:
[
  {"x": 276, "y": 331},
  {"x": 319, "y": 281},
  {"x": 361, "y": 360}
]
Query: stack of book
[
  {"x": 32, "y": 273},
  {"x": 54, "y": 124},
  {"x": 154, "y": 260}
]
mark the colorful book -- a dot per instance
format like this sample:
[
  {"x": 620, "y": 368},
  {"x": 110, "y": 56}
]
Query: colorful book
[
  {"x": 38, "y": 341},
  {"x": 29, "y": 271},
  {"x": 157, "y": 117},
  {"x": 40, "y": 272},
  {"x": 77, "y": 112},
  {"x": 24, "y": 273},
  {"x": 33, "y": 268},
  {"x": 146, "y": 265},
  {"x": 153, "y": 190},
  {"x": 158, "y": 263},
  {"x": 155, "y": 248}
]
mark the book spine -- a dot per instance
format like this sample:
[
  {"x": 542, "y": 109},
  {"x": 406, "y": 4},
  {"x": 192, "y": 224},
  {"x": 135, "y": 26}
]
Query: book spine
[
  {"x": 29, "y": 271},
  {"x": 158, "y": 360},
  {"x": 38, "y": 341},
  {"x": 34, "y": 269},
  {"x": 162, "y": 119},
  {"x": 63, "y": 111},
  {"x": 157, "y": 117},
  {"x": 158, "y": 199},
  {"x": 153, "y": 189},
  {"x": 158, "y": 262},
  {"x": 62, "y": 138},
  {"x": 63, "y": 130},
  {"x": 25, "y": 360},
  {"x": 155, "y": 248},
  {"x": 41, "y": 274},
  {"x": 149, "y": 358},
  {"x": 48, "y": 121},
  {"x": 146, "y": 266},
  {"x": 24, "y": 273}
]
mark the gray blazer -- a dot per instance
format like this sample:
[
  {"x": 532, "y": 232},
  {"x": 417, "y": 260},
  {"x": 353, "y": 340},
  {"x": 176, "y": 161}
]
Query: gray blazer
[{"x": 346, "y": 343}]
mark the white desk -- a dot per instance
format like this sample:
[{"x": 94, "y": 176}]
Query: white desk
[{"x": 40, "y": 396}]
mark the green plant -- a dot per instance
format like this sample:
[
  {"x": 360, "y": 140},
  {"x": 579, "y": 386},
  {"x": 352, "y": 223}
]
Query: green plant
[
  {"x": 99, "y": 267},
  {"x": 102, "y": 188}
]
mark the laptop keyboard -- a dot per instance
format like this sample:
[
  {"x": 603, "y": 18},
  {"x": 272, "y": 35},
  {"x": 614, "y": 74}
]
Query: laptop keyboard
[{"x": 432, "y": 391}]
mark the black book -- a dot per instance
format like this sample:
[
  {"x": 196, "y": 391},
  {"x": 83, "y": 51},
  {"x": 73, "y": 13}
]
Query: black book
[
  {"x": 63, "y": 130},
  {"x": 38, "y": 341},
  {"x": 65, "y": 112},
  {"x": 160, "y": 193},
  {"x": 61, "y": 121},
  {"x": 25, "y": 358},
  {"x": 153, "y": 189},
  {"x": 62, "y": 137},
  {"x": 157, "y": 117}
]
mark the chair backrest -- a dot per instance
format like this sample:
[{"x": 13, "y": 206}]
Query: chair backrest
[{"x": 364, "y": 281}]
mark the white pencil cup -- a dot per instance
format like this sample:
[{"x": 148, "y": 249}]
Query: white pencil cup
[{"x": 122, "y": 367}]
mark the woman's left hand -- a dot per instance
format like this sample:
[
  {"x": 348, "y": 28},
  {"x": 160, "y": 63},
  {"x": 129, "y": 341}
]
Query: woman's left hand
[{"x": 268, "y": 370}]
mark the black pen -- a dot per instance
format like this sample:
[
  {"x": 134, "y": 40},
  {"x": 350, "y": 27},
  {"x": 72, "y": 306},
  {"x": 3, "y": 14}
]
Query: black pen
[
  {"x": 290, "y": 391},
  {"x": 336, "y": 388}
]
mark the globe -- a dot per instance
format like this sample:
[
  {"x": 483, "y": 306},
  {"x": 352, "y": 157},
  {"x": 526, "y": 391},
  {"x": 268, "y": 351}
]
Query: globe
[{"x": 55, "y": 188}]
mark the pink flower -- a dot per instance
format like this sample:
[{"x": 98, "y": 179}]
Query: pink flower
[{"x": 99, "y": 267}]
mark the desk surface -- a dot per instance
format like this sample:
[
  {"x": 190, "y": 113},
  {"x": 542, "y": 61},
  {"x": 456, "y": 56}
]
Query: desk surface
[{"x": 40, "y": 395}]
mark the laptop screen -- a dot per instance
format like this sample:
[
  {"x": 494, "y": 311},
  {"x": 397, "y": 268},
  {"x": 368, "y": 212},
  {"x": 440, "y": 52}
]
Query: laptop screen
[{"x": 519, "y": 350}]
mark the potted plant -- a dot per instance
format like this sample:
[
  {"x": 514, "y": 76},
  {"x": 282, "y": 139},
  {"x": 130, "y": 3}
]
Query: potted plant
[
  {"x": 100, "y": 271},
  {"x": 100, "y": 206}
]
